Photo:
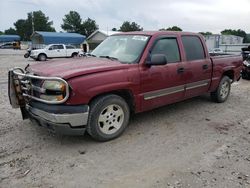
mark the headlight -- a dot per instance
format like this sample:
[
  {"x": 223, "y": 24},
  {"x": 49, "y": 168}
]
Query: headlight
[
  {"x": 246, "y": 63},
  {"x": 54, "y": 90},
  {"x": 54, "y": 85}
]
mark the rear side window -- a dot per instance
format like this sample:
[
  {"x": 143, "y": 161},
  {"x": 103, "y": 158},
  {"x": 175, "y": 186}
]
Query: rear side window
[
  {"x": 193, "y": 48},
  {"x": 60, "y": 46},
  {"x": 169, "y": 48},
  {"x": 70, "y": 47}
]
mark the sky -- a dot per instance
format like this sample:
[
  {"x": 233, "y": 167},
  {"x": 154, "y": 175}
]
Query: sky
[{"x": 190, "y": 15}]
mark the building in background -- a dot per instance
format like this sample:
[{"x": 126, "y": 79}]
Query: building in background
[
  {"x": 97, "y": 37},
  {"x": 228, "y": 43},
  {"x": 10, "y": 41},
  {"x": 40, "y": 39}
]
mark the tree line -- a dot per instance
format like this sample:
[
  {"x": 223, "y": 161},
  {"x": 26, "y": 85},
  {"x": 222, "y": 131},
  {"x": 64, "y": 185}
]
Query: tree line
[{"x": 73, "y": 23}]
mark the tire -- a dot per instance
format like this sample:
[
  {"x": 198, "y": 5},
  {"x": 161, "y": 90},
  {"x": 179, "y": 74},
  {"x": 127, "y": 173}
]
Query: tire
[
  {"x": 26, "y": 55},
  {"x": 108, "y": 118},
  {"x": 74, "y": 55},
  {"x": 42, "y": 57},
  {"x": 244, "y": 75},
  {"x": 223, "y": 91}
]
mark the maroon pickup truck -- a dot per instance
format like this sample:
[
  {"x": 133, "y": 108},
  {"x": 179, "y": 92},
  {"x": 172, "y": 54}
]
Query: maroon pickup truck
[{"x": 127, "y": 73}]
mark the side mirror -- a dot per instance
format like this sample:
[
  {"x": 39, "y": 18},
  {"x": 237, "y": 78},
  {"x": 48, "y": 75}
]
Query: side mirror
[
  {"x": 50, "y": 48},
  {"x": 157, "y": 59}
]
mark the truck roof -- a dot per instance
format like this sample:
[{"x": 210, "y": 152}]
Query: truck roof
[{"x": 151, "y": 33}]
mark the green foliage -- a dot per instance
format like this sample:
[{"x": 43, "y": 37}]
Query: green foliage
[
  {"x": 127, "y": 26},
  {"x": 10, "y": 31},
  {"x": 41, "y": 21},
  {"x": 72, "y": 22},
  {"x": 1, "y": 33},
  {"x": 114, "y": 29},
  {"x": 174, "y": 28},
  {"x": 88, "y": 27},
  {"x": 248, "y": 38},
  {"x": 238, "y": 32},
  {"x": 24, "y": 27},
  {"x": 206, "y": 33}
]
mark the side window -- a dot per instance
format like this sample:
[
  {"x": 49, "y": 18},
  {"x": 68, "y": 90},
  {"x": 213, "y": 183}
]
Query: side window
[
  {"x": 193, "y": 48},
  {"x": 169, "y": 48},
  {"x": 54, "y": 47},
  {"x": 70, "y": 47},
  {"x": 60, "y": 46}
]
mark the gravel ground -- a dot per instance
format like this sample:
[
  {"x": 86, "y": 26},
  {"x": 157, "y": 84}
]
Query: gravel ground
[{"x": 195, "y": 143}]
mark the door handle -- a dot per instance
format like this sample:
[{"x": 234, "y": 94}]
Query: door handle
[
  {"x": 205, "y": 67},
  {"x": 180, "y": 70}
]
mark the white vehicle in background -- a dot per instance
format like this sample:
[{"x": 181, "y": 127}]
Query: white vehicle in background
[
  {"x": 216, "y": 50},
  {"x": 55, "y": 51}
]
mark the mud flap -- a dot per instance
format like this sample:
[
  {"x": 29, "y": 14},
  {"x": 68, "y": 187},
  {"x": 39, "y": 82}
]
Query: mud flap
[{"x": 25, "y": 113}]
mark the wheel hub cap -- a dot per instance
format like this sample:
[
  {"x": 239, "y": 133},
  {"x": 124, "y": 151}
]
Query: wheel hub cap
[
  {"x": 224, "y": 90},
  {"x": 111, "y": 119}
]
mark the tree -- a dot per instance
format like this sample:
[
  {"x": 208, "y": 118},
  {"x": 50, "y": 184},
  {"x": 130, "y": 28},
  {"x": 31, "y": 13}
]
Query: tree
[
  {"x": 72, "y": 22},
  {"x": 24, "y": 27},
  {"x": 238, "y": 32},
  {"x": 127, "y": 26},
  {"x": 10, "y": 31},
  {"x": 41, "y": 21},
  {"x": 114, "y": 29},
  {"x": 206, "y": 33},
  {"x": 88, "y": 27},
  {"x": 1, "y": 33},
  {"x": 174, "y": 28}
]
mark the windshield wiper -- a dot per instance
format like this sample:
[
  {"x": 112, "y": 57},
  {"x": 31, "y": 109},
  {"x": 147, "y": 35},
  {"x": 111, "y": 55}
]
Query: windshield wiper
[{"x": 108, "y": 57}]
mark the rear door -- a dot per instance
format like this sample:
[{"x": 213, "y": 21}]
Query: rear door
[
  {"x": 198, "y": 67},
  {"x": 161, "y": 85}
]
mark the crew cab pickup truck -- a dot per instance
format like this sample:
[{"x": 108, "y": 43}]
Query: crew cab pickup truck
[
  {"x": 127, "y": 73},
  {"x": 54, "y": 51}
]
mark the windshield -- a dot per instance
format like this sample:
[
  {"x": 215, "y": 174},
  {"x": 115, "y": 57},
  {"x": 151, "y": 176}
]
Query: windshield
[{"x": 125, "y": 48}]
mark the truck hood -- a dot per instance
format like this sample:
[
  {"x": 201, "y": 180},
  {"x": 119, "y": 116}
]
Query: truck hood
[{"x": 68, "y": 68}]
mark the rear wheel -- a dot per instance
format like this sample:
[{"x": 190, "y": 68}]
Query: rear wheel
[
  {"x": 109, "y": 116},
  {"x": 74, "y": 55},
  {"x": 223, "y": 91},
  {"x": 42, "y": 57}
]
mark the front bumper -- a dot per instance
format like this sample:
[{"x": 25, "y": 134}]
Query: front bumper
[{"x": 61, "y": 119}]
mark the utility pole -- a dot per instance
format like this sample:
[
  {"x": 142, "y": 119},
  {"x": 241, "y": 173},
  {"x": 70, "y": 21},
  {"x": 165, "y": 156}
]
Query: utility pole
[{"x": 32, "y": 22}]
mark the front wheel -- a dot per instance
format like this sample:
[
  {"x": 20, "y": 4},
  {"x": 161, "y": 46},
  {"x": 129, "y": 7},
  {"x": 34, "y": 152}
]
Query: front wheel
[
  {"x": 223, "y": 91},
  {"x": 109, "y": 116}
]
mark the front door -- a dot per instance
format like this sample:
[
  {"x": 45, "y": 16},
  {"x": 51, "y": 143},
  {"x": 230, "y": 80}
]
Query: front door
[
  {"x": 56, "y": 51},
  {"x": 161, "y": 85}
]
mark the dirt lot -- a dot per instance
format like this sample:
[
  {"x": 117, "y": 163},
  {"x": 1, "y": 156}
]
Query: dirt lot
[{"x": 195, "y": 143}]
